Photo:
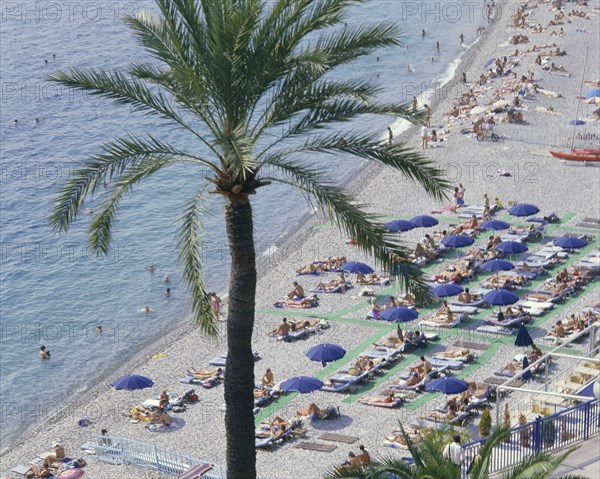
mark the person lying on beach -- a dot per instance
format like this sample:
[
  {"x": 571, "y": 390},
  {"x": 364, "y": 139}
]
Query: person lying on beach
[
  {"x": 368, "y": 278},
  {"x": 303, "y": 303},
  {"x": 554, "y": 68},
  {"x": 441, "y": 416},
  {"x": 460, "y": 353},
  {"x": 390, "y": 398},
  {"x": 297, "y": 292},
  {"x": 312, "y": 411},
  {"x": 39, "y": 471},
  {"x": 333, "y": 284},
  {"x": 561, "y": 33},
  {"x": 205, "y": 373},
  {"x": 414, "y": 436},
  {"x": 311, "y": 268},
  {"x": 392, "y": 342},
  {"x": 413, "y": 380}
]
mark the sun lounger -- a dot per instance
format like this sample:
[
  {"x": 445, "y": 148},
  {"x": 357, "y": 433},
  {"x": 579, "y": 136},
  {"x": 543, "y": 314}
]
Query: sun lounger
[
  {"x": 492, "y": 329},
  {"x": 396, "y": 403},
  {"x": 340, "y": 288},
  {"x": 507, "y": 323},
  {"x": 432, "y": 324},
  {"x": 463, "y": 308},
  {"x": 443, "y": 362},
  {"x": 463, "y": 359},
  {"x": 473, "y": 304}
]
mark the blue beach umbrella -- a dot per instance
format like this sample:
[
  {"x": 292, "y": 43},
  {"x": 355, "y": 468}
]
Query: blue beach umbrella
[
  {"x": 399, "y": 225},
  {"x": 523, "y": 209},
  {"x": 444, "y": 290},
  {"x": 500, "y": 297},
  {"x": 132, "y": 382},
  {"x": 527, "y": 375},
  {"x": 523, "y": 337},
  {"x": 326, "y": 352},
  {"x": 494, "y": 265},
  {"x": 398, "y": 314},
  {"x": 511, "y": 247},
  {"x": 489, "y": 62},
  {"x": 494, "y": 225},
  {"x": 301, "y": 384},
  {"x": 457, "y": 241},
  {"x": 593, "y": 93},
  {"x": 576, "y": 122},
  {"x": 569, "y": 242},
  {"x": 356, "y": 267},
  {"x": 424, "y": 221},
  {"x": 447, "y": 385}
]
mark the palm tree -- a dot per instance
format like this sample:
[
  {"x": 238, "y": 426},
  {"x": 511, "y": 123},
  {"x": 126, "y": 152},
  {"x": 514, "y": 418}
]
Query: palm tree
[
  {"x": 248, "y": 81},
  {"x": 429, "y": 462}
]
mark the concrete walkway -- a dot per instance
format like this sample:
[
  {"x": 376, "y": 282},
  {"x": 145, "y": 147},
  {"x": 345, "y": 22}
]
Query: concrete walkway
[{"x": 585, "y": 461}]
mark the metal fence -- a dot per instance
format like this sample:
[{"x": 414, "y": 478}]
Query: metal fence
[
  {"x": 544, "y": 434},
  {"x": 120, "y": 450}
]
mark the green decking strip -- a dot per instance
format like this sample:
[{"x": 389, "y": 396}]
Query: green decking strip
[{"x": 384, "y": 328}]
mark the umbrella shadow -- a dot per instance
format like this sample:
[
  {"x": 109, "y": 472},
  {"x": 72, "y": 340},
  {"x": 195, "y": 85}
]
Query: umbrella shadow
[
  {"x": 177, "y": 423},
  {"x": 340, "y": 422}
]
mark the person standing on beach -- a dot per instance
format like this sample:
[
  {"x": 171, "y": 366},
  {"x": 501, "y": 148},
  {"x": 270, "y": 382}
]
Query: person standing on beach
[
  {"x": 414, "y": 103},
  {"x": 427, "y": 116},
  {"x": 215, "y": 302},
  {"x": 462, "y": 38},
  {"x": 423, "y": 33},
  {"x": 424, "y": 137},
  {"x": 463, "y": 77},
  {"x": 390, "y": 135}
]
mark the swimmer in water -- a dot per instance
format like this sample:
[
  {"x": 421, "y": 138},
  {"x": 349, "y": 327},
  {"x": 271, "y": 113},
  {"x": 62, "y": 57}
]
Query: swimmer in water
[
  {"x": 98, "y": 330},
  {"x": 423, "y": 33},
  {"x": 168, "y": 293},
  {"x": 166, "y": 280},
  {"x": 36, "y": 120},
  {"x": 146, "y": 309},
  {"x": 15, "y": 122},
  {"x": 46, "y": 62},
  {"x": 151, "y": 267},
  {"x": 44, "y": 354},
  {"x": 437, "y": 46},
  {"x": 462, "y": 38}
]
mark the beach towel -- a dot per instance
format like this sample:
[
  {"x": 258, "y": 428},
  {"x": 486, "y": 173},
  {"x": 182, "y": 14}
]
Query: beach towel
[{"x": 195, "y": 472}]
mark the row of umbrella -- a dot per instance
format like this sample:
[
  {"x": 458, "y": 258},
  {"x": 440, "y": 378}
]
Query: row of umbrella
[{"x": 426, "y": 221}]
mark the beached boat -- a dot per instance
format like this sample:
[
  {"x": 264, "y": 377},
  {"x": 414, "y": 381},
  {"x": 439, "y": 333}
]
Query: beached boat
[{"x": 585, "y": 154}]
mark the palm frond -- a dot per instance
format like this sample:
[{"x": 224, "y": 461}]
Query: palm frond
[
  {"x": 118, "y": 155},
  {"x": 538, "y": 466},
  {"x": 103, "y": 222},
  {"x": 190, "y": 256}
]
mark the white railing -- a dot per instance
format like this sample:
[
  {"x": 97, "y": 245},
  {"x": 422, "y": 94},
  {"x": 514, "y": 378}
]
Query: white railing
[{"x": 120, "y": 450}]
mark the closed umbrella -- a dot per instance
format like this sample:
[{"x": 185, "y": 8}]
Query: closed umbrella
[
  {"x": 523, "y": 209},
  {"x": 424, "y": 221},
  {"x": 570, "y": 242},
  {"x": 326, "y": 353},
  {"x": 132, "y": 382},
  {"x": 494, "y": 225},
  {"x": 444, "y": 290},
  {"x": 511, "y": 247},
  {"x": 457, "y": 241},
  {"x": 447, "y": 385},
  {"x": 523, "y": 337},
  {"x": 301, "y": 384},
  {"x": 399, "y": 313},
  {"x": 576, "y": 122},
  {"x": 527, "y": 375},
  {"x": 500, "y": 297},
  {"x": 399, "y": 225},
  {"x": 356, "y": 267}
]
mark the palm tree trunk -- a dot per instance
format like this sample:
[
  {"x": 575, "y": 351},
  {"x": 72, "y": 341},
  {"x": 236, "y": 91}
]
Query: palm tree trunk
[{"x": 239, "y": 372}]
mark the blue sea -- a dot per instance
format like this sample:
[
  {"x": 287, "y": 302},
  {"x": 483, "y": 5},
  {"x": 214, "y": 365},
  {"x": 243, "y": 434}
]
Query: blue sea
[{"x": 54, "y": 290}]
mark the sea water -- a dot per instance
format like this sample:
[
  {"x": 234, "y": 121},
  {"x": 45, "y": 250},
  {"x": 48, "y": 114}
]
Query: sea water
[{"x": 54, "y": 289}]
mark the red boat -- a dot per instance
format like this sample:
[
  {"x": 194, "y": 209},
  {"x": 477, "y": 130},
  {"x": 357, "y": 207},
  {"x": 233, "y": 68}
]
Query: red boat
[{"x": 585, "y": 154}]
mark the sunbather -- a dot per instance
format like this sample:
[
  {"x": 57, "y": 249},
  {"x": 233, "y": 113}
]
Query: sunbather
[
  {"x": 441, "y": 416},
  {"x": 390, "y": 398},
  {"x": 367, "y": 278},
  {"x": 311, "y": 268},
  {"x": 268, "y": 379},
  {"x": 414, "y": 436},
  {"x": 413, "y": 380},
  {"x": 39, "y": 471},
  {"x": 333, "y": 284},
  {"x": 557, "y": 330},
  {"x": 423, "y": 368},
  {"x": 297, "y": 292},
  {"x": 461, "y": 353},
  {"x": 375, "y": 309},
  {"x": 282, "y": 330},
  {"x": 465, "y": 296},
  {"x": 304, "y": 303},
  {"x": 312, "y": 410},
  {"x": 535, "y": 353}
]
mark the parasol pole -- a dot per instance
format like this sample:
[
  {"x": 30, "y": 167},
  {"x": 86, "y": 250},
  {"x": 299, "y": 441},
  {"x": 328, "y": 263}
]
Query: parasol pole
[{"x": 580, "y": 91}]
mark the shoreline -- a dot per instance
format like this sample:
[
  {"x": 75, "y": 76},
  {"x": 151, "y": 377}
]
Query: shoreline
[{"x": 272, "y": 262}]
